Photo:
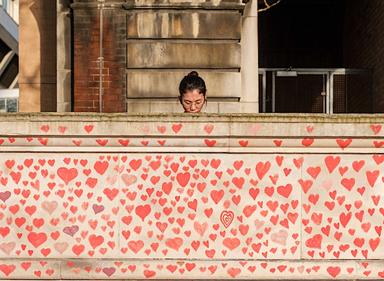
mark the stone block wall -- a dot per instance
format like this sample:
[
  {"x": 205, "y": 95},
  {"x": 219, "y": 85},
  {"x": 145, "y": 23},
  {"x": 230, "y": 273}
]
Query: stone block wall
[
  {"x": 165, "y": 44},
  {"x": 150, "y": 46},
  {"x": 191, "y": 197},
  {"x": 146, "y": 39}
]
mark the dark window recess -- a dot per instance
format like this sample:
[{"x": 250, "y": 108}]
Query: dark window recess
[
  {"x": 10, "y": 73},
  {"x": 299, "y": 94},
  {"x": 4, "y": 49},
  {"x": 260, "y": 92},
  {"x": 352, "y": 93}
]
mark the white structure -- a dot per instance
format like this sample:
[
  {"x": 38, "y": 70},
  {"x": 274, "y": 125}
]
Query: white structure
[
  {"x": 12, "y": 8},
  {"x": 9, "y": 51}
]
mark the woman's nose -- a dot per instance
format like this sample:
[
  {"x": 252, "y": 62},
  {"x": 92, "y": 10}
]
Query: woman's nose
[{"x": 193, "y": 106}]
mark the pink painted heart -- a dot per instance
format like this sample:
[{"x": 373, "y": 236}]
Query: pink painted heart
[
  {"x": 71, "y": 230},
  {"x": 49, "y": 206},
  {"x": 376, "y": 128},
  {"x": 208, "y": 128},
  {"x": 109, "y": 271},
  {"x": 37, "y": 239},
  {"x": 174, "y": 243},
  {"x": 177, "y": 127},
  {"x": 7, "y": 269},
  {"x": 280, "y": 237},
  {"x": 88, "y": 128},
  {"x": 66, "y": 174},
  {"x": 4, "y": 196}
]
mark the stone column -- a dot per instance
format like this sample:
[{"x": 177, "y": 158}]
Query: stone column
[
  {"x": 37, "y": 50},
  {"x": 249, "y": 59},
  {"x": 87, "y": 51},
  {"x": 64, "y": 60}
]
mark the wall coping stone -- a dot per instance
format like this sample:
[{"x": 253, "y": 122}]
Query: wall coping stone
[{"x": 181, "y": 117}]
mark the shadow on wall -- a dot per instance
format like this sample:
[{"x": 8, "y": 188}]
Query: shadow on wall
[{"x": 46, "y": 20}]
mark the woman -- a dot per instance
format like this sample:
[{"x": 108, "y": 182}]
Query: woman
[{"x": 192, "y": 91}]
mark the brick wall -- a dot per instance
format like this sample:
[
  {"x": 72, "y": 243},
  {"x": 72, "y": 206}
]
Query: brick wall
[
  {"x": 363, "y": 42},
  {"x": 86, "y": 54}
]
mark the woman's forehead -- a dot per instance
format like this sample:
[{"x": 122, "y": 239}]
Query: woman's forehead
[{"x": 193, "y": 95}]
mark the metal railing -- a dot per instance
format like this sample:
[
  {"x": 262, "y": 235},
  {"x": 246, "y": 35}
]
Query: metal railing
[{"x": 315, "y": 90}]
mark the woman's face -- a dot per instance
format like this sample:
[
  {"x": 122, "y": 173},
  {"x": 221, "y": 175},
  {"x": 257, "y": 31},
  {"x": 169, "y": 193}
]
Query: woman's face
[{"x": 192, "y": 101}]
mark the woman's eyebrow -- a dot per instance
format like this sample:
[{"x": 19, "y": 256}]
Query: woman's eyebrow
[{"x": 192, "y": 100}]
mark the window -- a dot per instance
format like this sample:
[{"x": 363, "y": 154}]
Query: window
[
  {"x": 9, "y": 105},
  {"x": 326, "y": 91}
]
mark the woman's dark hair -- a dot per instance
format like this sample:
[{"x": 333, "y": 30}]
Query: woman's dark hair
[{"x": 192, "y": 82}]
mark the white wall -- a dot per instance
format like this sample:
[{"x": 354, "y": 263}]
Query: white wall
[
  {"x": 12, "y": 7},
  {"x": 189, "y": 197}
]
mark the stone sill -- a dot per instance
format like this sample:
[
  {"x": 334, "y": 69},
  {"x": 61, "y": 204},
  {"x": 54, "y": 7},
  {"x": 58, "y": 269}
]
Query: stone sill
[
  {"x": 190, "y": 133},
  {"x": 209, "y": 5},
  {"x": 203, "y": 117},
  {"x": 131, "y": 269}
]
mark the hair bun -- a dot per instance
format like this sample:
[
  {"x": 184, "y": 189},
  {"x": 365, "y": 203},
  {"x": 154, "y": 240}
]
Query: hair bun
[{"x": 193, "y": 73}]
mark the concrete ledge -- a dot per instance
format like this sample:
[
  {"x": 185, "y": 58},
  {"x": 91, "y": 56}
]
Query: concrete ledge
[
  {"x": 202, "y": 117},
  {"x": 181, "y": 4},
  {"x": 188, "y": 133},
  {"x": 76, "y": 269},
  {"x": 164, "y": 105}
]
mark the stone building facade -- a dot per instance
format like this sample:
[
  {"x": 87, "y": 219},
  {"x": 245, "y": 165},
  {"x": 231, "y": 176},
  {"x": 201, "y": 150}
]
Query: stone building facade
[
  {"x": 89, "y": 196},
  {"x": 146, "y": 48},
  {"x": 149, "y": 46}
]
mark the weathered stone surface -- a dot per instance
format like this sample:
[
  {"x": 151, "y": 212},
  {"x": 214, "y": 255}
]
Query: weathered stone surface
[
  {"x": 151, "y": 54},
  {"x": 37, "y": 97},
  {"x": 37, "y": 51},
  {"x": 146, "y": 84},
  {"x": 237, "y": 107},
  {"x": 182, "y": 24},
  {"x": 64, "y": 64},
  {"x": 164, "y": 106},
  {"x": 211, "y": 4}
]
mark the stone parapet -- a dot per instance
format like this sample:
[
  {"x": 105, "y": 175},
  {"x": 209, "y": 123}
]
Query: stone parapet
[{"x": 179, "y": 196}]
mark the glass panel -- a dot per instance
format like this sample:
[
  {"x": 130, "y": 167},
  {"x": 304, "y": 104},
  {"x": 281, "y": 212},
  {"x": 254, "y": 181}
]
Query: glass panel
[
  {"x": 352, "y": 93},
  {"x": 11, "y": 105},
  {"x": 2, "y": 105},
  {"x": 339, "y": 94},
  {"x": 4, "y": 3}
]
